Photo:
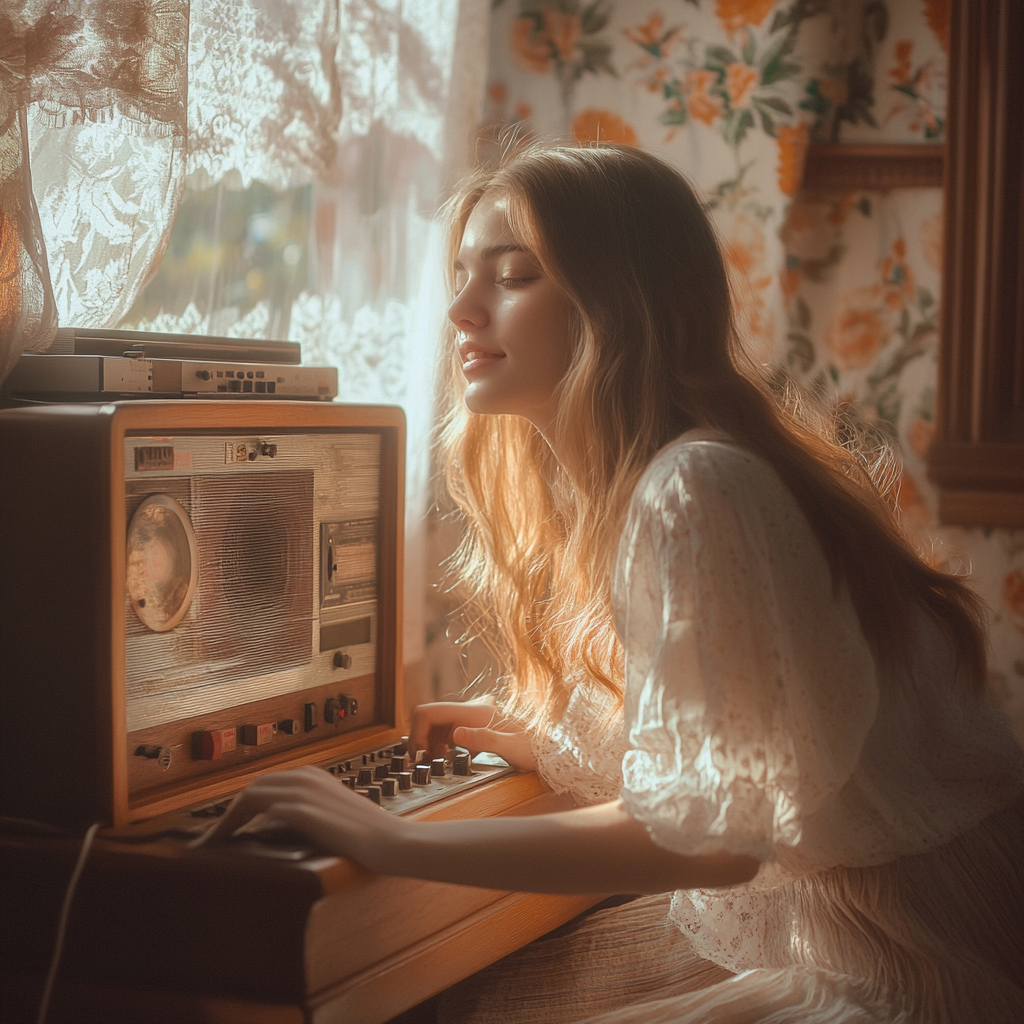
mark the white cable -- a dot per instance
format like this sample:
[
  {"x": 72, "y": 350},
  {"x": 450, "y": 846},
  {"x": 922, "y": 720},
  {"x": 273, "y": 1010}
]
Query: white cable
[{"x": 62, "y": 924}]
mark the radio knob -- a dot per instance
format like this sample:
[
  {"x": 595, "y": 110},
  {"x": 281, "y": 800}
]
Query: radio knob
[
  {"x": 381, "y": 771},
  {"x": 373, "y": 792},
  {"x": 290, "y": 726},
  {"x": 342, "y": 660},
  {"x": 461, "y": 765},
  {"x": 398, "y": 764},
  {"x": 389, "y": 787},
  {"x": 203, "y": 374},
  {"x": 365, "y": 777},
  {"x": 404, "y": 780},
  {"x": 421, "y": 775},
  {"x": 437, "y": 767}
]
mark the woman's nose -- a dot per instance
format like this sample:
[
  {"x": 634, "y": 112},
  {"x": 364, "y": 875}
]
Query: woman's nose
[{"x": 465, "y": 312}]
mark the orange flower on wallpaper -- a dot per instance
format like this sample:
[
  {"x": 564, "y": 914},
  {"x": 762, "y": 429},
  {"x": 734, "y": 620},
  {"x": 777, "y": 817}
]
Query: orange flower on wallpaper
[
  {"x": 790, "y": 281},
  {"x": 792, "y": 153},
  {"x": 899, "y": 286},
  {"x": 563, "y": 30},
  {"x": 704, "y": 106},
  {"x": 931, "y": 241},
  {"x": 1013, "y": 597},
  {"x": 596, "y": 126},
  {"x": 744, "y": 254},
  {"x": 651, "y": 33},
  {"x": 740, "y": 82},
  {"x": 920, "y": 434},
  {"x": 858, "y": 328},
  {"x": 734, "y": 14},
  {"x": 901, "y": 71},
  {"x": 531, "y": 48},
  {"x": 936, "y": 13},
  {"x": 497, "y": 91}
]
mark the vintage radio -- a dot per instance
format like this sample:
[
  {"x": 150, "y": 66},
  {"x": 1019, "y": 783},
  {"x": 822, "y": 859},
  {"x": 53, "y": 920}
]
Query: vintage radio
[{"x": 193, "y": 593}]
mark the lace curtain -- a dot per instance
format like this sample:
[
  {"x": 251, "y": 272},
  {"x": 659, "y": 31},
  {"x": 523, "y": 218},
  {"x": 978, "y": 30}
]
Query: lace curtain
[{"x": 115, "y": 115}]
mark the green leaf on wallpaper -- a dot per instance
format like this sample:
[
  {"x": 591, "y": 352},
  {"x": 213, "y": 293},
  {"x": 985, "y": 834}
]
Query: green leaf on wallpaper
[
  {"x": 814, "y": 101},
  {"x": 922, "y": 332},
  {"x": 736, "y": 126},
  {"x": 674, "y": 116},
  {"x": 534, "y": 9},
  {"x": 775, "y": 103},
  {"x": 903, "y": 327},
  {"x": 800, "y": 356},
  {"x": 792, "y": 16},
  {"x": 595, "y": 16},
  {"x": 864, "y": 205},
  {"x": 767, "y": 124},
  {"x": 720, "y": 56},
  {"x": 595, "y": 57},
  {"x": 748, "y": 50},
  {"x": 803, "y": 312},
  {"x": 925, "y": 299},
  {"x": 833, "y": 373}
]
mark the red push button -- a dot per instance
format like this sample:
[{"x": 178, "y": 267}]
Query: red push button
[{"x": 214, "y": 744}]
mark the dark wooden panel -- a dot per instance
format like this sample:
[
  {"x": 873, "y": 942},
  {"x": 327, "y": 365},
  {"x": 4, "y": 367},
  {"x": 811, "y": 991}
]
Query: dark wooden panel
[{"x": 979, "y": 446}]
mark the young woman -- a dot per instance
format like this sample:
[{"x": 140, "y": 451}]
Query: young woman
[{"x": 715, "y": 638}]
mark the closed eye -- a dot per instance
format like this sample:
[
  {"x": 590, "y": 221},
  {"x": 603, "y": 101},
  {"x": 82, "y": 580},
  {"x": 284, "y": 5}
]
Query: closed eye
[{"x": 514, "y": 282}]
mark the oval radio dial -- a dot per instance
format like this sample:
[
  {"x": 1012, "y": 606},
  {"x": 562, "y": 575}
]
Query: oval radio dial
[{"x": 162, "y": 562}]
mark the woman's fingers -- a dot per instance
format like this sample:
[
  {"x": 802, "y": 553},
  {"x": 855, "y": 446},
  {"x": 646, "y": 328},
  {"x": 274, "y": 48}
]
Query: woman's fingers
[
  {"x": 514, "y": 747},
  {"x": 431, "y": 725},
  {"x": 280, "y": 788}
]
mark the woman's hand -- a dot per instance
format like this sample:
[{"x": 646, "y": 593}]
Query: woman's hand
[
  {"x": 316, "y": 804},
  {"x": 471, "y": 724}
]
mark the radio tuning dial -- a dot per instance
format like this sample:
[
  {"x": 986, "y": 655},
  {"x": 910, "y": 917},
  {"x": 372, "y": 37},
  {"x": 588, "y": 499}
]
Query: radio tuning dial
[{"x": 342, "y": 660}]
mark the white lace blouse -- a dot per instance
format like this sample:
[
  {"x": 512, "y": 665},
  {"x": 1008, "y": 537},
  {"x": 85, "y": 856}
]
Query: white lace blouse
[{"x": 755, "y": 718}]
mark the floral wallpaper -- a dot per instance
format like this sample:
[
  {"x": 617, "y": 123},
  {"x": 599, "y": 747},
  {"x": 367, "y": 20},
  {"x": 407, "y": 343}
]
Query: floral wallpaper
[{"x": 842, "y": 290}]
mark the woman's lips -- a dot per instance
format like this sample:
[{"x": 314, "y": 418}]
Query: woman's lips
[{"x": 474, "y": 360}]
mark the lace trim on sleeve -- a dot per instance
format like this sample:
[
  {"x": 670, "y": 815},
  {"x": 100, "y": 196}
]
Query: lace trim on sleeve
[{"x": 582, "y": 754}]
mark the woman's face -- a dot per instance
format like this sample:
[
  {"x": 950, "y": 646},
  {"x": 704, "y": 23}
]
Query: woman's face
[{"x": 513, "y": 321}]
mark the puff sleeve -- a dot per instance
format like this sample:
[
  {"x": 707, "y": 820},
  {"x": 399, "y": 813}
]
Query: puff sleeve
[{"x": 749, "y": 685}]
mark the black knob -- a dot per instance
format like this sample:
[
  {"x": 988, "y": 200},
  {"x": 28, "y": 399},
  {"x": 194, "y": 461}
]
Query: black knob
[
  {"x": 404, "y": 780},
  {"x": 203, "y": 374},
  {"x": 290, "y": 726},
  {"x": 398, "y": 764},
  {"x": 381, "y": 771},
  {"x": 438, "y": 767},
  {"x": 389, "y": 787},
  {"x": 461, "y": 765},
  {"x": 365, "y": 777},
  {"x": 342, "y": 660},
  {"x": 421, "y": 774}
]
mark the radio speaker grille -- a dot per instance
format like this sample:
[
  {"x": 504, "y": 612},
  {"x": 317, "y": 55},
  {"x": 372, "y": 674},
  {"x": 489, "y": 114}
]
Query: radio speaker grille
[{"x": 253, "y": 607}]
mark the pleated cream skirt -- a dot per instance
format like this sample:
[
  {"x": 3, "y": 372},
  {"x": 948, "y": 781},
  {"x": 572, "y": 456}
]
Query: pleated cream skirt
[{"x": 931, "y": 939}]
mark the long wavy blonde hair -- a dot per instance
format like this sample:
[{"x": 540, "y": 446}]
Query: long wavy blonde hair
[{"x": 654, "y": 352}]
